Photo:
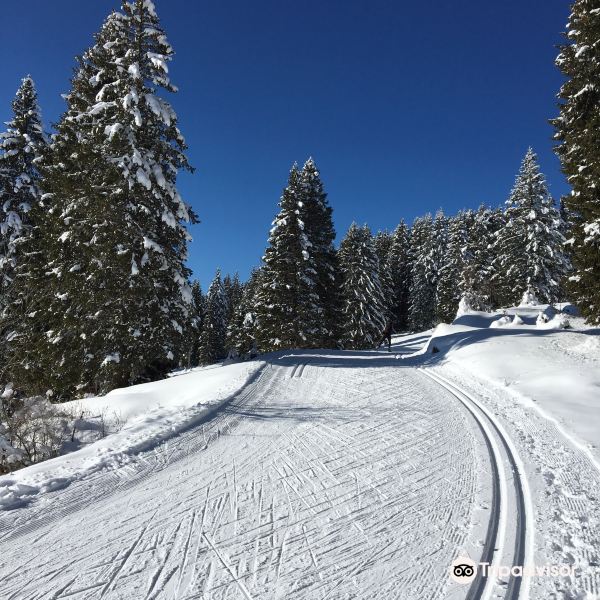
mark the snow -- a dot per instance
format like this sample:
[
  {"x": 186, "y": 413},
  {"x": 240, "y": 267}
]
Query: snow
[
  {"x": 329, "y": 474},
  {"x": 153, "y": 412},
  {"x": 143, "y": 179},
  {"x": 545, "y": 365}
]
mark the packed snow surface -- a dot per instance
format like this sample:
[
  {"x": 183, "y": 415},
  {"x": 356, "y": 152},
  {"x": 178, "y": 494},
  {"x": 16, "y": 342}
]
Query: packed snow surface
[
  {"x": 328, "y": 475},
  {"x": 152, "y": 412}
]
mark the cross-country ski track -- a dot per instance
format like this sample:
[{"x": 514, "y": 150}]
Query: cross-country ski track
[{"x": 330, "y": 475}]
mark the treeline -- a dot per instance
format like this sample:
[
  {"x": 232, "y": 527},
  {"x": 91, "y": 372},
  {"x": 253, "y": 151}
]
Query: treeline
[{"x": 307, "y": 294}]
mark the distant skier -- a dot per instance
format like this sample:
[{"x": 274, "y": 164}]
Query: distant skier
[{"x": 387, "y": 335}]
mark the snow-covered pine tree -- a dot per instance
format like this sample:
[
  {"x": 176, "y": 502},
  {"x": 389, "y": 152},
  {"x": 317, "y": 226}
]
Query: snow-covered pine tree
[
  {"x": 399, "y": 267},
  {"x": 578, "y": 148},
  {"x": 233, "y": 293},
  {"x": 289, "y": 309},
  {"x": 116, "y": 240},
  {"x": 214, "y": 328},
  {"x": 454, "y": 268},
  {"x": 363, "y": 303},
  {"x": 241, "y": 335},
  {"x": 193, "y": 328},
  {"x": 475, "y": 281},
  {"x": 423, "y": 276},
  {"x": 440, "y": 242},
  {"x": 21, "y": 148},
  {"x": 382, "y": 242},
  {"x": 530, "y": 246},
  {"x": 318, "y": 227}
]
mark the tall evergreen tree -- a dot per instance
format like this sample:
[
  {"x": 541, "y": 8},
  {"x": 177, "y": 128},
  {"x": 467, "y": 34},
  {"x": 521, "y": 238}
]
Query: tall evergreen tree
[
  {"x": 382, "y": 242},
  {"x": 399, "y": 267},
  {"x": 530, "y": 246},
  {"x": 115, "y": 240},
  {"x": 21, "y": 148},
  {"x": 440, "y": 243},
  {"x": 241, "y": 334},
  {"x": 423, "y": 277},
  {"x": 193, "y": 328},
  {"x": 214, "y": 328},
  {"x": 454, "y": 267},
  {"x": 364, "y": 307},
  {"x": 289, "y": 309},
  {"x": 578, "y": 136},
  {"x": 319, "y": 229},
  {"x": 479, "y": 281},
  {"x": 233, "y": 293}
]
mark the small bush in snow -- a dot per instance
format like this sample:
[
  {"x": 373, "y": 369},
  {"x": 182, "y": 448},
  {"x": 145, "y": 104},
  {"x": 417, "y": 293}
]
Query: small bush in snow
[{"x": 31, "y": 430}]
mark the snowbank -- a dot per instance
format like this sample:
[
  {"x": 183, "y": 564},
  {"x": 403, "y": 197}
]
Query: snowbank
[
  {"x": 550, "y": 368},
  {"x": 154, "y": 412}
]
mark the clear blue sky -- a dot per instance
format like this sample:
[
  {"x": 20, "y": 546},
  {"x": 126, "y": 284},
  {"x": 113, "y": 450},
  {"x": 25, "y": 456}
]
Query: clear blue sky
[{"x": 406, "y": 106}]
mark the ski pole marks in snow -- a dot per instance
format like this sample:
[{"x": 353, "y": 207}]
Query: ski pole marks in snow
[{"x": 338, "y": 482}]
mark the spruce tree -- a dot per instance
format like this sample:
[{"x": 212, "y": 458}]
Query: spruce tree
[
  {"x": 399, "y": 268},
  {"x": 477, "y": 277},
  {"x": 363, "y": 302},
  {"x": 454, "y": 269},
  {"x": 318, "y": 227},
  {"x": 423, "y": 277},
  {"x": 530, "y": 246},
  {"x": 382, "y": 243},
  {"x": 193, "y": 328},
  {"x": 440, "y": 243},
  {"x": 578, "y": 136},
  {"x": 289, "y": 309},
  {"x": 214, "y": 327},
  {"x": 22, "y": 147},
  {"x": 233, "y": 293},
  {"x": 115, "y": 240},
  {"x": 241, "y": 334}
]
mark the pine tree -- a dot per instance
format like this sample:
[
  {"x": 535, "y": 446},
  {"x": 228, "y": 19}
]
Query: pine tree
[
  {"x": 193, "y": 328},
  {"x": 530, "y": 245},
  {"x": 115, "y": 240},
  {"x": 22, "y": 147},
  {"x": 422, "y": 292},
  {"x": 233, "y": 293},
  {"x": 241, "y": 334},
  {"x": 577, "y": 133},
  {"x": 479, "y": 278},
  {"x": 289, "y": 309},
  {"x": 214, "y": 328},
  {"x": 319, "y": 229},
  {"x": 399, "y": 268},
  {"x": 453, "y": 274},
  {"x": 363, "y": 302},
  {"x": 439, "y": 244},
  {"x": 382, "y": 243}
]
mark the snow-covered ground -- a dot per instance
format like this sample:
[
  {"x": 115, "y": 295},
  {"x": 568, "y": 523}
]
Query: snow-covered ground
[
  {"x": 555, "y": 371},
  {"x": 331, "y": 475},
  {"x": 150, "y": 413}
]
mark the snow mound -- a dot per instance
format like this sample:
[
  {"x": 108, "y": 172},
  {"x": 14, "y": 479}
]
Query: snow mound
[
  {"x": 154, "y": 412},
  {"x": 545, "y": 358},
  {"x": 506, "y": 321}
]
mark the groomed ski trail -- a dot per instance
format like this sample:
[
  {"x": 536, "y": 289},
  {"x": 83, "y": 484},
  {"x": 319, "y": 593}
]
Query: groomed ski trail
[{"x": 331, "y": 476}]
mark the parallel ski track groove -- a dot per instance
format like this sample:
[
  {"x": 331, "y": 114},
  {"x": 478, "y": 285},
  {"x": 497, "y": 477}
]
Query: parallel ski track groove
[{"x": 514, "y": 586}]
